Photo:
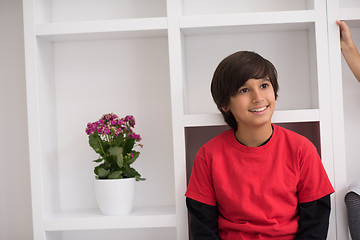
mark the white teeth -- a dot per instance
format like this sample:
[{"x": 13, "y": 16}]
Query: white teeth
[{"x": 258, "y": 109}]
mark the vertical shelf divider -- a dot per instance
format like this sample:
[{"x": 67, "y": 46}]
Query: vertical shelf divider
[
  {"x": 337, "y": 116},
  {"x": 177, "y": 106},
  {"x": 324, "y": 99}
]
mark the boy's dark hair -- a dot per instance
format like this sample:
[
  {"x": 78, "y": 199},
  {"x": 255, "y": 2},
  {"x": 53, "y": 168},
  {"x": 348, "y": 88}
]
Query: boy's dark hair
[{"x": 233, "y": 72}]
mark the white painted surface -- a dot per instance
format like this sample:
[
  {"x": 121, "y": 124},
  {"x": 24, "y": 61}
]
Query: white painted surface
[
  {"x": 352, "y": 116},
  {"x": 15, "y": 201}
]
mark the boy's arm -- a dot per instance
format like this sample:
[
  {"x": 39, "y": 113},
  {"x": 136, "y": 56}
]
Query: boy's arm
[
  {"x": 314, "y": 219},
  {"x": 349, "y": 50},
  {"x": 204, "y": 220}
]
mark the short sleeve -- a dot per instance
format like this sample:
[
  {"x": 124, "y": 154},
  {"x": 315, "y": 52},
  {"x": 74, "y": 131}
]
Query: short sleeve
[
  {"x": 201, "y": 186},
  {"x": 314, "y": 182}
]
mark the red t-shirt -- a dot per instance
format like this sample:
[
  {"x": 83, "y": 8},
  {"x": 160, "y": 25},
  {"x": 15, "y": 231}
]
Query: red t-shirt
[{"x": 257, "y": 189}]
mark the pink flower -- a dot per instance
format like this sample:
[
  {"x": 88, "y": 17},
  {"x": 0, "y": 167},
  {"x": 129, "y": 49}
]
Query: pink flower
[
  {"x": 110, "y": 126},
  {"x": 107, "y": 131}
]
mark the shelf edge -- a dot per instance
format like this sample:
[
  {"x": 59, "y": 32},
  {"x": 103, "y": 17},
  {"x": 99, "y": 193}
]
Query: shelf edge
[
  {"x": 260, "y": 18},
  {"x": 106, "y": 26},
  {"x": 165, "y": 217},
  {"x": 302, "y": 115}
]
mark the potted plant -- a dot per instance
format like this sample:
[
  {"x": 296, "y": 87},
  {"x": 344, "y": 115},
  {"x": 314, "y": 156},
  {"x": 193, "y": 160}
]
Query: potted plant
[{"x": 115, "y": 141}]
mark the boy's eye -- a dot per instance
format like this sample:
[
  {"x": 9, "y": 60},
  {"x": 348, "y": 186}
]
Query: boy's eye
[
  {"x": 264, "y": 85},
  {"x": 243, "y": 90}
]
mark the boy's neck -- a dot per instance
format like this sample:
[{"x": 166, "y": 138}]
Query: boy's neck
[{"x": 254, "y": 137}]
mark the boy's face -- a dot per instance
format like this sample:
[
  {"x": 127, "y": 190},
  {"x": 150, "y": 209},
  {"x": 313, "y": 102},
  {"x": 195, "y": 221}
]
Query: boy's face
[{"x": 254, "y": 104}]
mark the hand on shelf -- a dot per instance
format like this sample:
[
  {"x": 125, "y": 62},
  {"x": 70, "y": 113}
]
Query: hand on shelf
[{"x": 348, "y": 49}]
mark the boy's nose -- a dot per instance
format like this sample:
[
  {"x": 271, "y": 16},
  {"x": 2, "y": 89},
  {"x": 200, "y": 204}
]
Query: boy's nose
[{"x": 256, "y": 96}]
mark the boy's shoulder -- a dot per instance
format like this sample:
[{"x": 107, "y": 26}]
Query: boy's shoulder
[
  {"x": 221, "y": 138},
  {"x": 291, "y": 136}
]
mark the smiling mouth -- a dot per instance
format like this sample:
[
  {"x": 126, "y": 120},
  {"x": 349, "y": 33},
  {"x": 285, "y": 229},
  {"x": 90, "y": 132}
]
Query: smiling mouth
[{"x": 258, "y": 109}]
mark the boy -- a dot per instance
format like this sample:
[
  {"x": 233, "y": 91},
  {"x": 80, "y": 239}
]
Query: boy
[{"x": 257, "y": 180}]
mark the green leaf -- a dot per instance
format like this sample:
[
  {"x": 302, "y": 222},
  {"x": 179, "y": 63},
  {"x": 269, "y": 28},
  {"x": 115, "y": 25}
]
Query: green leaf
[
  {"x": 115, "y": 175},
  {"x": 128, "y": 145},
  {"x": 130, "y": 172},
  {"x": 105, "y": 165},
  {"x": 108, "y": 159},
  {"x": 132, "y": 160},
  {"x": 138, "y": 178},
  {"x": 116, "y": 152},
  {"x": 105, "y": 145},
  {"x": 119, "y": 140},
  {"x": 98, "y": 160},
  {"x": 101, "y": 172},
  {"x": 95, "y": 143}
]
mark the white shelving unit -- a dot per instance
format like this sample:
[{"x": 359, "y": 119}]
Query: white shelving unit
[{"x": 154, "y": 59}]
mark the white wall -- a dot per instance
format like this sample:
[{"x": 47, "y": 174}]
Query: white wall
[{"x": 15, "y": 199}]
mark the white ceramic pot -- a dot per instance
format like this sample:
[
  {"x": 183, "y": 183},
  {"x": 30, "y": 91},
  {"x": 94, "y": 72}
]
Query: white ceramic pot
[{"x": 115, "y": 196}]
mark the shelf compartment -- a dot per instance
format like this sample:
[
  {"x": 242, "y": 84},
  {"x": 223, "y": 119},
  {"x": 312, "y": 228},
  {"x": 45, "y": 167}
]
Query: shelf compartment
[
  {"x": 261, "y": 21},
  {"x": 351, "y": 98},
  {"x": 284, "y": 116},
  {"x": 191, "y": 7},
  {"x": 67, "y": 31},
  {"x": 48, "y": 11},
  {"x": 80, "y": 81},
  {"x": 302, "y": 73},
  {"x": 149, "y": 217}
]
